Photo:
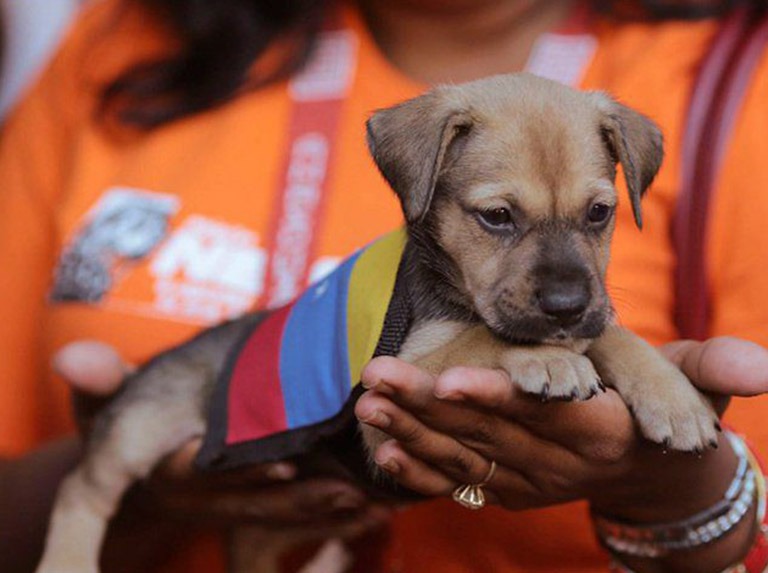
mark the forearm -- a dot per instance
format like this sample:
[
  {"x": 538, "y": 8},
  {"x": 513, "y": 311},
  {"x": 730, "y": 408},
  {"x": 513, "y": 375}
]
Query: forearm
[
  {"x": 682, "y": 487},
  {"x": 27, "y": 488}
]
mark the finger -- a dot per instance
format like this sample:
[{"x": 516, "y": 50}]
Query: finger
[
  {"x": 406, "y": 384},
  {"x": 491, "y": 389},
  {"x": 94, "y": 371},
  {"x": 510, "y": 488},
  {"x": 412, "y": 473},
  {"x": 439, "y": 450},
  {"x": 681, "y": 351},
  {"x": 724, "y": 365},
  {"x": 91, "y": 367},
  {"x": 179, "y": 467},
  {"x": 600, "y": 428},
  {"x": 463, "y": 454},
  {"x": 496, "y": 391},
  {"x": 414, "y": 390},
  {"x": 279, "y": 504}
]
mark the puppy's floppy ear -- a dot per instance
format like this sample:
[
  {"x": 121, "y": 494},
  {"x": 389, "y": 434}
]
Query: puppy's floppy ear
[
  {"x": 636, "y": 142},
  {"x": 409, "y": 143}
]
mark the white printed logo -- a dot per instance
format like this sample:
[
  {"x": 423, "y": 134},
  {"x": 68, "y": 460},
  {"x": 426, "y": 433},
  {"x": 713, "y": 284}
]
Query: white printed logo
[
  {"x": 208, "y": 271},
  {"x": 123, "y": 227}
]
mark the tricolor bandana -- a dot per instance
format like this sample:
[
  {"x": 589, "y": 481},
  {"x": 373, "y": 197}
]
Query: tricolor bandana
[{"x": 290, "y": 385}]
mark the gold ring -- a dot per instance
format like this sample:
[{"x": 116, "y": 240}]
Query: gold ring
[{"x": 472, "y": 496}]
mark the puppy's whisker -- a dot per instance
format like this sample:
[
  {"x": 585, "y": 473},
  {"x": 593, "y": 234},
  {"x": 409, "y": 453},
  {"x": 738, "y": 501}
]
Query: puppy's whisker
[{"x": 617, "y": 295}]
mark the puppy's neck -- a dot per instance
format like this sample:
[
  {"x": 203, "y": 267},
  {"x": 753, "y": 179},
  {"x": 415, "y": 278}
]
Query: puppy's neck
[{"x": 430, "y": 279}]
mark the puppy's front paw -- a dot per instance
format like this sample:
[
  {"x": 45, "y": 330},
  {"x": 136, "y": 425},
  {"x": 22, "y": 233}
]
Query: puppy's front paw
[
  {"x": 552, "y": 373},
  {"x": 673, "y": 413}
]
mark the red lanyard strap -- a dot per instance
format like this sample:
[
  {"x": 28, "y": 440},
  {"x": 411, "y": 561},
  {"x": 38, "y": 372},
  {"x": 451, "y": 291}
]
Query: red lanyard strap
[
  {"x": 317, "y": 94},
  {"x": 715, "y": 102}
]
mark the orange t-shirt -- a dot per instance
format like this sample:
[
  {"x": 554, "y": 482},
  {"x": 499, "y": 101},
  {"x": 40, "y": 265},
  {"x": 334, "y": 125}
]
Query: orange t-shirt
[{"x": 139, "y": 240}]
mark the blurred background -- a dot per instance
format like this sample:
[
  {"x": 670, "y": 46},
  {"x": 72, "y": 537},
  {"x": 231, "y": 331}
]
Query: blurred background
[{"x": 31, "y": 29}]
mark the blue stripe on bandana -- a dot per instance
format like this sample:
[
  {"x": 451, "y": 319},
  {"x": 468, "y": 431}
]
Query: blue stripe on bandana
[{"x": 314, "y": 351}]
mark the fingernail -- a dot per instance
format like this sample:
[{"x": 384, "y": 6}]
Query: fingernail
[
  {"x": 389, "y": 465},
  {"x": 281, "y": 472},
  {"x": 377, "y": 418},
  {"x": 383, "y": 388},
  {"x": 601, "y": 384},
  {"x": 379, "y": 386},
  {"x": 446, "y": 390},
  {"x": 450, "y": 396}
]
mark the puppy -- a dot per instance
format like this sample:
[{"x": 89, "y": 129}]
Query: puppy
[{"x": 507, "y": 188}]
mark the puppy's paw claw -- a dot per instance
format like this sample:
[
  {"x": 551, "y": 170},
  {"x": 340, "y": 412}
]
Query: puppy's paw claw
[{"x": 601, "y": 386}]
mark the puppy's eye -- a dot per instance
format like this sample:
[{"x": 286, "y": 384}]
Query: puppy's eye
[
  {"x": 599, "y": 213},
  {"x": 495, "y": 219}
]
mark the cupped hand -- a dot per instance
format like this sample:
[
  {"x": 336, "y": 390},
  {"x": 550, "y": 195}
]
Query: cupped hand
[
  {"x": 268, "y": 494},
  {"x": 446, "y": 430}
]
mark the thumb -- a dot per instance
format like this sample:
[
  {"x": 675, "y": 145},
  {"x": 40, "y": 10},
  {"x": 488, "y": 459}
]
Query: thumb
[
  {"x": 722, "y": 365},
  {"x": 94, "y": 371},
  {"x": 91, "y": 367}
]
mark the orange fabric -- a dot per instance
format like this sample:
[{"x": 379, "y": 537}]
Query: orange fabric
[{"x": 216, "y": 173}]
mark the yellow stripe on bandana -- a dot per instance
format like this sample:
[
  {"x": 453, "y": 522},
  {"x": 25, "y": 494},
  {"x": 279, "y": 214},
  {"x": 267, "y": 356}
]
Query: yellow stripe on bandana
[{"x": 370, "y": 290}]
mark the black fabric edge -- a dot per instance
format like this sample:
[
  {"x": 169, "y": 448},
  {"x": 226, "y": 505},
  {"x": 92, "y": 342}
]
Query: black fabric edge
[{"x": 277, "y": 447}]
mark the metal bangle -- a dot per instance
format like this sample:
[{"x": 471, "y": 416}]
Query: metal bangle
[{"x": 704, "y": 527}]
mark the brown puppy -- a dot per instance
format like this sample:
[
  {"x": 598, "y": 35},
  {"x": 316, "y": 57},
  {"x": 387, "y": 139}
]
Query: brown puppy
[{"x": 507, "y": 186}]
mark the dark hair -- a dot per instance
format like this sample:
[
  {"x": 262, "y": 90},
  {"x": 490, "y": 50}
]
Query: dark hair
[
  {"x": 221, "y": 40},
  {"x": 219, "y": 43}
]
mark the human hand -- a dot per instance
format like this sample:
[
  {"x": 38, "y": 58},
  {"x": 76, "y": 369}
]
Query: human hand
[
  {"x": 268, "y": 498},
  {"x": 447, "y": 429}
]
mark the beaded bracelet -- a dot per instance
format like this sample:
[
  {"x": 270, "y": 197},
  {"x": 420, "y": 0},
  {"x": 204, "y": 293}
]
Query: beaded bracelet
[
  {"x": 756, "y": 561},
  {"x": 699, "y": 529}
]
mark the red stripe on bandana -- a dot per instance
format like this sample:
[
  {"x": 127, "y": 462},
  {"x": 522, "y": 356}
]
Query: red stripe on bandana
[{"x": 255, "y": 414}]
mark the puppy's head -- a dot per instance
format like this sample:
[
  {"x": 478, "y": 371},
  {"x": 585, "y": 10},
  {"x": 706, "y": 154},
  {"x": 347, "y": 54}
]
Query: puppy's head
[{"x": 509, "y": 183}]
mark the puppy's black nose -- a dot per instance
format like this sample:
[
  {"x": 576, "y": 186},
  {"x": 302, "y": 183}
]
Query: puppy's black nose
[{"x": 564, "y": 301}]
